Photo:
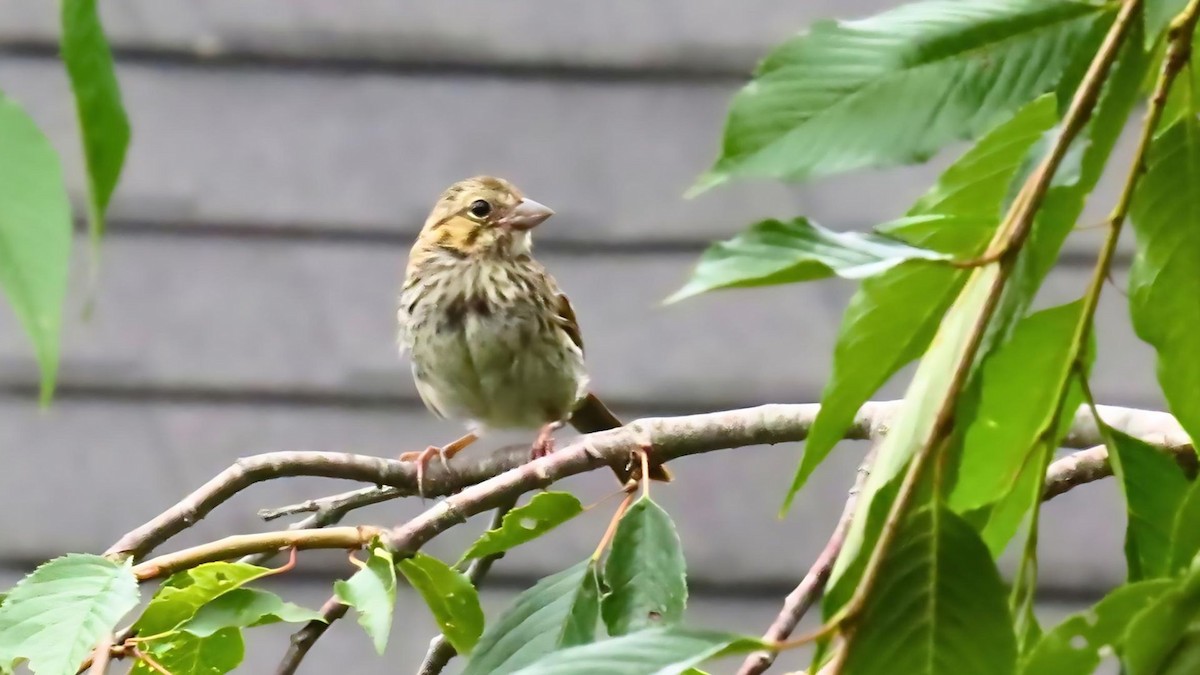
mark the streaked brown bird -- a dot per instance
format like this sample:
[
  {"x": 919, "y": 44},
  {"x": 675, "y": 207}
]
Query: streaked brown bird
[{"x": 492, "y": 340}]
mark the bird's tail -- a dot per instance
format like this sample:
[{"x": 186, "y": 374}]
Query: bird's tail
[{"x": 593, "y": 416}]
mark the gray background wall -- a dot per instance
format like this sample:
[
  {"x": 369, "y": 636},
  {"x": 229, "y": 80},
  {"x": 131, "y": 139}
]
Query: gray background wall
[{"x": 284, "y": 155}]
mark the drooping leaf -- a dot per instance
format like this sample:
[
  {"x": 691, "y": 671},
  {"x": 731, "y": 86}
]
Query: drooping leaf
[
  {"x": 775, "y": 252},
  {"x": 243, "y": 608},
  {"x": 1075, "y": 646},
  {"x": 1154, "y": 488},
  {"x": 1159, "y": 631},
  {"x": 53, "y": 617},
  {"x": 645, "y": 572},
  {"x": 893, "y": 316},
  {"x": 184, "y": 593},
  {"x": 1163, "y": 284},
  {"x": 662, "y": 651},
  {"x": 1021, "y": 384},
  {"x": 181, "y": 653},
  {"x": 35, "y": 235},
  {"x": 938, "y": 608},
  {"x": 560, "y": 611},
  {"x": 544, "y": 512},
  {"x": 916, "y": 425},
  {"x": 102, "y": 121},
  {"x": 1185, "y": 537},
  {"x": 372, "y": 593},
  {"x": 896, "y": 87},
  {"x": 451, "y": 597}
]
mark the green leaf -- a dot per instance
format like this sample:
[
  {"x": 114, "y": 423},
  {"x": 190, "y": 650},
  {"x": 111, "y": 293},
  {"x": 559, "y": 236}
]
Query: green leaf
[
  {"x": 893, "y": 317},
  {"x": 53, "y": 617},
  {"x": 35, "y": 235},
  {"x": 662, "y": 651},
  {"x": 372, "y": 593},
  {"x": 1159, "y": 630},
  {"x": 1154, "y": 488},
  {"x": 546, "y": 511},
  {"x": 184, "y": 593},
  {"x": 1021, "y": 384},
  {"x": 559, "y": 611},
  {"x": 775, "y": 252},
  {"x": 1158, "y": 16},
  {"x": 1075, "y": 646},
  {"x": 102, "y": 121},
  {"x": 896, "y": 87},
  {"x": 645, "y": 572},
  {"x": 1163, "y": 284},
  {"x": 938, "y": 607},
  {"x": 1185, "y": 538},
  {"x": 450, "y": 596},
  {"x": 243, "y": 608},
  {"x": 184, "y": 653}
]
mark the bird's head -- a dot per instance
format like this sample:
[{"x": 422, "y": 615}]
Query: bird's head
[{"x": 481, "y": 216}]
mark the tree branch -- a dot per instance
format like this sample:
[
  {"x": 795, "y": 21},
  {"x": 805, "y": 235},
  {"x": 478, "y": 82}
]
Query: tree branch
[{"x": 798, "y": 602}]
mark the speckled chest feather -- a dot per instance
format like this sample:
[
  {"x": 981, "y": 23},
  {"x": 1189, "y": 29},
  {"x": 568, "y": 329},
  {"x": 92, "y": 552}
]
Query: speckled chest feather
[{"x": 485, "y": 342}]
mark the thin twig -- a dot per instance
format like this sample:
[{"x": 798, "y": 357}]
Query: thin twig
[
  {"x": 798, "y": 602},
  {"x": 304, "y": 639},
  {"x": 440, "y": 650},
  {"x": 242, "y": 544},
  {"x": 326, "y": 512},
  {"x": 101, "y": 655}
]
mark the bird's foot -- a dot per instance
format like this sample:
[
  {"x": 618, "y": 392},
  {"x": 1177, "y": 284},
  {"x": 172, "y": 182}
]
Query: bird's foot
[
  {"x": 443, "y": 453},
  {"x": 544, "y": 443},
  {"x": 422, "y": 459}
]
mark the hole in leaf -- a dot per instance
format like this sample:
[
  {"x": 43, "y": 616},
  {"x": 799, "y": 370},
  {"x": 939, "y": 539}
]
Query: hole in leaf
[
  {"x": 529, "y": 523},
  {"x": 1079, "y": 642}
]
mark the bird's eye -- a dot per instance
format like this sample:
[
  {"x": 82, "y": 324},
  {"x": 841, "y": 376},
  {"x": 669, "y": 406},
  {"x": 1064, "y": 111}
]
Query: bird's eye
[{"x": 480, "y": 208}]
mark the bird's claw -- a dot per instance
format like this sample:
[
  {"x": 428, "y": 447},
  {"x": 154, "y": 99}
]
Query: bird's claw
[
  {"x": 544, "y": 443},
  {"x": 422, "y": 459}
]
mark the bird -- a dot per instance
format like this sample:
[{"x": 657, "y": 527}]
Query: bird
[{"x": 492, "y": 340}]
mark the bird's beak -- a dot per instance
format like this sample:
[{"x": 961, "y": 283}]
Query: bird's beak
[{"x": 526, "y": 215}]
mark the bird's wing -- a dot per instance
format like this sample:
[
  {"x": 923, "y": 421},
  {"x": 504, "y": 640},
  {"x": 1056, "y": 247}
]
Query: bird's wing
[{"x": 565, "y": 316}]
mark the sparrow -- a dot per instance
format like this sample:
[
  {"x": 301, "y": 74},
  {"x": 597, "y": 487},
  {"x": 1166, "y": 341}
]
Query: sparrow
[{"x": 492, "y": 340}]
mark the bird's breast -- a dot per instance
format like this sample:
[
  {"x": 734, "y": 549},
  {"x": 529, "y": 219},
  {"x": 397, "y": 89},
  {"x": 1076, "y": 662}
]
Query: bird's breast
[{"x": 485, "y": 346}]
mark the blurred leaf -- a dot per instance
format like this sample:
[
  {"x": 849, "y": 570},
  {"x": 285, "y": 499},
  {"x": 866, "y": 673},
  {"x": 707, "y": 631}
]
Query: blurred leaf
[
  {"x": 893, "y": 317},
  {"x": 1154, "y": 488},
  {"x": 372, "y": 593},
  {"x": 1158, "y": 16},
  {"x": 938, "y": 607},
  {"x": 560, "y": 611},
  {"x": 54, "y": 616},
  {"x": 544, "y": 512},
  {"x": 186, "y": 654},
  {"x": 915, "y": 424},
  {"x": 1074, "y": 647},
  {"x": 1185, "y": 537},
  {"x": 1021, "y": 385},
  {"x": 451, "y": 597},
  {"x": 35, "y": 235},
  {"x": 184, "y": 593},
  {"x": 246, "y": 607},
  {"x": 775, "y": 252},
  {"x": 896, "y": 87},
  {"x": 102, "y": 121},
  {"x": 1163, "y": 283},
  {"x": 1159, "y": 630},
  {"x": 662, "y": 651},
  {"x": 645, "y": 572}
]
